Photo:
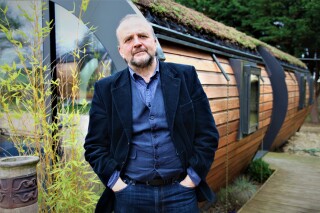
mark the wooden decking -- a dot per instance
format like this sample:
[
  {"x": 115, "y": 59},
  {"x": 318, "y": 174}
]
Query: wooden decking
[{"x": 294, "y": 187}]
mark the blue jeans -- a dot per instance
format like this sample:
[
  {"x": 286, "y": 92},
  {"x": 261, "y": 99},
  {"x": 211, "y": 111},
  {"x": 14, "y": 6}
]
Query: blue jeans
[{"x": 141, "y": 198}]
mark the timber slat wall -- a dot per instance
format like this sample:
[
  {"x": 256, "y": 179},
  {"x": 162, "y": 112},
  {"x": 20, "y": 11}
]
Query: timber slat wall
[
  {"x": 294, "y": 117},
  {"x": 233, "y": 155}
]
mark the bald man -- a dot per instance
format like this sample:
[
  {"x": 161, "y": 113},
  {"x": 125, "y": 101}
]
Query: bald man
[{"x": 151, "y": 136}]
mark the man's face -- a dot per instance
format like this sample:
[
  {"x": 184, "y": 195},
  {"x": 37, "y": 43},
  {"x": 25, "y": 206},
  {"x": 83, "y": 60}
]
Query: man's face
[{"x": 136, "y": 43}]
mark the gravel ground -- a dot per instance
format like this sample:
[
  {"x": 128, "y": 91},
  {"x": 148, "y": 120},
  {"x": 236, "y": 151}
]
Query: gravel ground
[{"x": 306, "y": 142}]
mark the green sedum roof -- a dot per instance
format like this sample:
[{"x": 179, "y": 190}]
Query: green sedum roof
[{"x": 182, "y": 15}]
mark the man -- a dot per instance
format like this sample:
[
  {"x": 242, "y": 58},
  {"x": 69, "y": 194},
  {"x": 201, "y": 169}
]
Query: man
[{"x": 151, "y": 136}]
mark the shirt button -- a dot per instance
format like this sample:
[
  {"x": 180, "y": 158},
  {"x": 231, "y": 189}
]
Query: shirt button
[
  {"x": 155, "y": 136},
  {"x": 157, "y": 157},
  {"x": 156, "y": 166},
  {"x": 149, "y": 105},
  {"x": 156, "y": 146},
  {"x": 151, "y": 117}
]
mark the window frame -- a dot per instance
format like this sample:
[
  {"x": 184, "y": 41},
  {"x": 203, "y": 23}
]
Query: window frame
[
  {"x": 246, "y": 99},
  {"x": 302, "y": 83}
]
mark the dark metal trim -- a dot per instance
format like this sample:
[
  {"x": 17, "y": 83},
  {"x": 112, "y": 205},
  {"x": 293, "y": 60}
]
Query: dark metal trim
[
  {"x": 309, "y": 59},
  {"x": 280, "y": 97},
  {"x": 220, "y": 67},
  {"x": 208, "y": 49},
  {"x": 191, "y": 41},
  {"x": 291, "y": 67}
]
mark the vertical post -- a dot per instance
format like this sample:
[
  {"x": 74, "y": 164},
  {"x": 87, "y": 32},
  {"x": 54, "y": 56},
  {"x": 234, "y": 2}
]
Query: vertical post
[
  {"x": 49, "y": 57},
  {"x": 54, "y": 89}
]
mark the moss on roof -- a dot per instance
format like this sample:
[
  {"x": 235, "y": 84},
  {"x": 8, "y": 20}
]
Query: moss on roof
[{"x": 199, "y": 22}]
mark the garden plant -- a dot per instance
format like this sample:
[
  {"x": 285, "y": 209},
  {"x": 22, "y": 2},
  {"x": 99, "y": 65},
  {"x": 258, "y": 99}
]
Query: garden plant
[{"x": 66, "y": 182}]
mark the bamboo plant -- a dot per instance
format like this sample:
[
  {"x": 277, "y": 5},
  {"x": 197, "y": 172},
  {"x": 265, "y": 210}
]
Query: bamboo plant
[{"x": 65, "y": 181}]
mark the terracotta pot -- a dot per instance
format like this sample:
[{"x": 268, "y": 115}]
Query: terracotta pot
[{"x": 18, "y": 184}]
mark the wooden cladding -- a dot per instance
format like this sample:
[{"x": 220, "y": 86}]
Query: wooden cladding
[
  {"x": 294, "y": 117},
  {"x": 233, "y": 155}
]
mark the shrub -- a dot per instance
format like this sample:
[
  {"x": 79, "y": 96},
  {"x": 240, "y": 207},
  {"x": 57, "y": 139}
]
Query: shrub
[
  {"x": 236, "y": 194},
  {"x": 259, "y": 170},
  {"x": 242, "y": 190},
  {"x": 224, "y": 200}
]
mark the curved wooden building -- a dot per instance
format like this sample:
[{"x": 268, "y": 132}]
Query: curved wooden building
[{"x": 259, "y": 96}]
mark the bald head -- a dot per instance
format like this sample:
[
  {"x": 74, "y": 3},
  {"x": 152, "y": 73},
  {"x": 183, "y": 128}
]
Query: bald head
[
  {"x": 137, "y": 43},
  {"x": 128, "y": 20}
]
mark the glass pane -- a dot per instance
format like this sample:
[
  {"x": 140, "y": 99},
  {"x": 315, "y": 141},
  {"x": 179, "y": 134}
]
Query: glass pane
[
  {"x": 254, "y": 100},
  {"x": 20, "y": 56},
  {"x": 82, "y": 59},
  {"x": 23, "y": 30},
  {"x": 305, "y": 103}
]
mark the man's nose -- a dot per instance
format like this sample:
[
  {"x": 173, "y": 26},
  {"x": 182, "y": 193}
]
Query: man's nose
[{"x": 136, "y": 41}]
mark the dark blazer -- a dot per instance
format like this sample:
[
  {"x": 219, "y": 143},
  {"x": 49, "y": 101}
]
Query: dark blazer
[{"x": 189, "y": 117}]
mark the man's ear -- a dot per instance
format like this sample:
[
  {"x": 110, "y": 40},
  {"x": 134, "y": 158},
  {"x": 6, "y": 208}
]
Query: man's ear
[{"x": 120, "y": 52}]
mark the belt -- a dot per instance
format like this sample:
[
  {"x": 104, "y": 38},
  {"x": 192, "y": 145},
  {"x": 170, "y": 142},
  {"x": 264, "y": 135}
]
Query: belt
[{"x": 157, "y": 181}]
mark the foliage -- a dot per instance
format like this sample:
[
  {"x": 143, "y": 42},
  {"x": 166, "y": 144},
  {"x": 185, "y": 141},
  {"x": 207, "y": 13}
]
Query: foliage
[
  {"x": 66, "y": 182},
  {"x": 259, "y": 170},
  {"x": 224, "y": 198},
  {"x": 6, "y": 19},
  {"x": 236, "y": 194},
  {"x": 199, "y": 25},
  {"x": 242, "y": 190},
  {"x": 272, "y": 21},
  {"x": 291, "y": 26}
]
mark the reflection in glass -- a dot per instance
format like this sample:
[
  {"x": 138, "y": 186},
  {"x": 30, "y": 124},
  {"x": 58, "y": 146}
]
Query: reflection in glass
[
  {"x": 82, "y": 59},
  {"x": 23, "y": 89},
  {"x": 249, "y": 99},
  {"x": 254, "y": 101},
  {"x": 303, "y": 92},
  {"x": 22, "y": 30}
]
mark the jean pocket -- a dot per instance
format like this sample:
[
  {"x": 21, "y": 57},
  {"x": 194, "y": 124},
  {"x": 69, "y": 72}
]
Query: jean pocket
[
  {"x": 185, "y": 187},
  {"x": 123, "y": 189}
]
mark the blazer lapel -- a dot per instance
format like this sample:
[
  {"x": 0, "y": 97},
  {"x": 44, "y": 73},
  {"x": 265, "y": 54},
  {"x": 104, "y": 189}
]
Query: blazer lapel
[
  {"x": 121, "y": 94},
  {"x": 171, "y": 88}
]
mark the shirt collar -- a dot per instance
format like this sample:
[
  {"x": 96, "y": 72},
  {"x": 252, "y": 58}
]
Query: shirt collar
[{"x": 135, "y": 75}]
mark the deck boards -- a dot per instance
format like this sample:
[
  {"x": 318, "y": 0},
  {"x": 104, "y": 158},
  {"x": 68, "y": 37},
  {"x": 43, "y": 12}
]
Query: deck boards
[{"x": 295, "y": 186}]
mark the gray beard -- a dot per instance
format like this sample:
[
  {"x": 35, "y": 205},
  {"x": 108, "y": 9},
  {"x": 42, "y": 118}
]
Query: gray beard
[{"x": 143, "y": 64}]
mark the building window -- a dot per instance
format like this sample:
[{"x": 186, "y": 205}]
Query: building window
[
  {"x": 311, "y": 88},
  {"x": 249, "y": 103},
  {"x": 302, "y": 82},
  {"x": 81, "y": 58},
  {"x": 248, "y": 77}
]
